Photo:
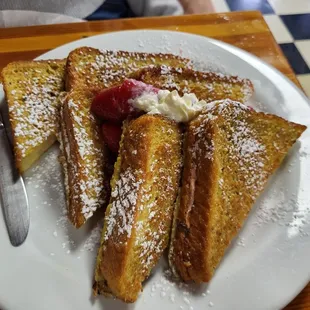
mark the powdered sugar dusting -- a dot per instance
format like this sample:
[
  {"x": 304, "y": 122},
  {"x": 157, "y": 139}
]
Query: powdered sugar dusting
[
  {"x": 177, "y": 293},
  {"x": 280, "y": 207},
  {"x": 124, "y": 198},
  {"x": 246, "y": 149}
]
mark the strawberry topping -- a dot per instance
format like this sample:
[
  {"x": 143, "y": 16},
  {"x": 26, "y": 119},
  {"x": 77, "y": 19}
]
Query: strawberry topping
[
  {"x": 111, "y": 135},
  {"x": 113, "y": 104}
]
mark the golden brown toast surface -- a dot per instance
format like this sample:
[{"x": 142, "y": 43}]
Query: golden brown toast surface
[
  {"x": 138, "y": 219},
  {"x": 230, "y": 152},
  {"x": 31, "y": 89},
  {"x": 90, "y": 67},
  {"x": 208, "y": 86},
  {"x": 84, "y": 157}
]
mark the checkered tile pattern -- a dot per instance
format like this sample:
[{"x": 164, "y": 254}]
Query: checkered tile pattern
[{"x": 289, "y": 21}]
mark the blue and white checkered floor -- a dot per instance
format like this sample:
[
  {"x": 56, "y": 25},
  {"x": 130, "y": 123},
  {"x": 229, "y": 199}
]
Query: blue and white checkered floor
[{"x": 289, "y": 21}]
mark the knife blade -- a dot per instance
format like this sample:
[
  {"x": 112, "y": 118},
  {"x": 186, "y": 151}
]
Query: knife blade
[{"x": 12, "y": 192}]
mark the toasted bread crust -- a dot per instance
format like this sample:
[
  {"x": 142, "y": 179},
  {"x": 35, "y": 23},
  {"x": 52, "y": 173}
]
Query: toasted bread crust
[
  {"x": 31, "y": 89},
  {"x": 85, "y": 155},
  {"x": 208, "y": 86},
  {"x": 90, "y": 67},
  {"x": 63, "y": 158},
  {"x": 230, "y": 152},
  {"x": 138, "y": 218}
]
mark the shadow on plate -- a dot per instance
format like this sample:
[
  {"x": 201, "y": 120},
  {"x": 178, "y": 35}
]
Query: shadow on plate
[{"x": 107, "y": 303}]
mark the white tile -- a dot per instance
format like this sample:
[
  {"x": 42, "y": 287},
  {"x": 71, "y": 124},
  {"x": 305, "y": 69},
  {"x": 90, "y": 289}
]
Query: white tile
[
  {"x": 283, "y": 7},
  {"x": 304, "y": 80},
  {"x": 220, "y": 6},
  {"x": 304, "y": 49},
  {"x": 278, "y": 29}
]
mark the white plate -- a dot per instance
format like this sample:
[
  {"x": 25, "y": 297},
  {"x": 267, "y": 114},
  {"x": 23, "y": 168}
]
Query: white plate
[{"x": 266, "y": 266}]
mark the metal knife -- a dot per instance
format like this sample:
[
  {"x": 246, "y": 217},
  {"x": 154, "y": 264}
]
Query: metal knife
[{"x": 12, "y": 192}]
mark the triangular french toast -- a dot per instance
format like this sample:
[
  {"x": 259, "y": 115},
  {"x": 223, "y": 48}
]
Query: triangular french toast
[
  {"x": 138, "y": 219},
  {"x": 32, "y": 89},
  {"x": 90, "y": 67},
  {"x": 84, "y": 157},
  {"x": 230, "y": 152}
]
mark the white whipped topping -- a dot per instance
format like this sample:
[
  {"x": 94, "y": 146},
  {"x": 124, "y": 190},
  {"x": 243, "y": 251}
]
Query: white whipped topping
[{"x": 171, "y": 104}]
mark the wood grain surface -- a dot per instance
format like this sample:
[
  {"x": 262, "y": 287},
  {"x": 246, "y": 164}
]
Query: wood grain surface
[{"x": 246, "y": 30}]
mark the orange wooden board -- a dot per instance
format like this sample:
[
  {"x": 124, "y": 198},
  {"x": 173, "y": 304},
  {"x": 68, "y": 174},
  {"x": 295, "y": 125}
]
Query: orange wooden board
[{"x": 246, "y": 30}]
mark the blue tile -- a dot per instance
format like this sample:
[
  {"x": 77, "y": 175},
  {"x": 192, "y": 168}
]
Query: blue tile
[
  {"x": 298, "y": 25},
  {"x": 248, "y": 5},
  {"x": 295, "y": 59}
]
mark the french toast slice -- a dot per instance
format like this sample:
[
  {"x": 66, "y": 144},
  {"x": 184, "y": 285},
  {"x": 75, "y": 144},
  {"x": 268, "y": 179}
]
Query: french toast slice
[
  {"x": 89, "y": 67},
  {"x": 208, "y": 86},
  {"x": 84, "y": 157},
  {"x": 138, "y": 219},
  {"x": 31, "y": 89},
  {"x": 230, "y": 152}
]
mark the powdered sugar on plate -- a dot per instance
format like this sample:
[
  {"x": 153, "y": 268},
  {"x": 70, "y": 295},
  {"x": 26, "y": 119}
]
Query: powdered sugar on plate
[
  {"x": 45, "y": 179},
  {"x": 179, "y": 295}
]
